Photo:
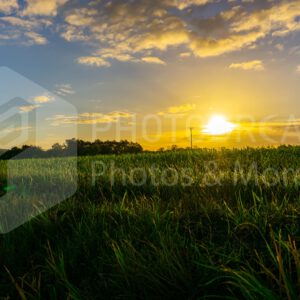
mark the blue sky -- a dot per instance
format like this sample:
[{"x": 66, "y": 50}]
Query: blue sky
[{"x": 112, "y": 60}]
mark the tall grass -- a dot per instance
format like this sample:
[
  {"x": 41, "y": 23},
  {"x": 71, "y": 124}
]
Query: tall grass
[{"x": 224, "y": 239}]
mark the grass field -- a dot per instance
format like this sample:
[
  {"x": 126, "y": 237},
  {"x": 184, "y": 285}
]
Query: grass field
[{"x": 175, "y": 225}]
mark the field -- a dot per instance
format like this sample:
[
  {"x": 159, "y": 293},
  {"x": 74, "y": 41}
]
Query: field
[{"x": 174, "y": 225}]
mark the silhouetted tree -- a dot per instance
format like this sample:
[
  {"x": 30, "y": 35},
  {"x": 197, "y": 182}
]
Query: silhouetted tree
[{"x": 73, "y": 147}]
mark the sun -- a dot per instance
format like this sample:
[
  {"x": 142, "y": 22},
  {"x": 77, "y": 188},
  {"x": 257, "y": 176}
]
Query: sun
[{"x": 218, "y": 125}]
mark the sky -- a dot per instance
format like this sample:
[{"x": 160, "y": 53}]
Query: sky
[{"x": 148, "y": 71}]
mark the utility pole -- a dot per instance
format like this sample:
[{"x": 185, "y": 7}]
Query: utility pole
[{"x": 191, "y": 131}]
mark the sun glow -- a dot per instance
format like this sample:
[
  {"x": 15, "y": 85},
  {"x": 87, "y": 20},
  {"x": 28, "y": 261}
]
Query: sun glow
[{"x": 218, "y": 125}]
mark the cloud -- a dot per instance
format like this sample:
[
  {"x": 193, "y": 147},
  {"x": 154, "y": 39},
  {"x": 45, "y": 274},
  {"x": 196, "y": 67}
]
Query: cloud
[
  {"x": 25, "y": 25},
  {"x": 278, "y": 20},
  {"x": 298, "y": 69},
  {"x": 153, "y": 60},
  {"x": 6, "y": 131},
  {"x": 208, "y": 47},
  {"x": 8, "y": 6},
  {"x": 36, "y": 38},
  {"x": 39, "y": 100},
  {"x": 42, "y": 99},
  {"x": 28, "y": 108},
  {"x": 64, "y": 89},
  {"x": 125, "y": 31},
  {"x": 255, "y": 65},
  {"x": 42, "y": 7},
  {"x": 185, "y": 54},
  {"x": 181, "y": 109},
  {"x": 90, "y": 118},
  {"x": 23, "y": 31},
  {"x": 135, "y": 30},
  {"x": 93, "y": 61},
  {"x": 81, "y": 17},
  {"x": 187, "y": 3}
]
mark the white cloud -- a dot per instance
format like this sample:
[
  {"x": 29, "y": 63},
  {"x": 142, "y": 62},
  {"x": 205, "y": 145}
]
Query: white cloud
[
  {"x": 24, "y": 23},
  {"x": 180, "y": 109},
  {"x": 64, "y": 89},
  {"x": 153, "y": 60},
  {"x": 133, "y": 30},
  {"x": 90, "y": 118},
  {"x": 255, "y": 65},
  {"x": 140, "y": 31},
  {"x": 28, "y": 108},
  {"x": 8, "y": 6},
  {"x": 187, "y": 3},
  {"x": 93, "y": 61},
  {"x": 35, "y": 38},
  {"x": 42, "y": 99},
  {"x": 23, "y": 31},
  {"x": 279, "y": 19},
  {"x": 42, "y": 7},
  {"x": 185, "y": 54}
]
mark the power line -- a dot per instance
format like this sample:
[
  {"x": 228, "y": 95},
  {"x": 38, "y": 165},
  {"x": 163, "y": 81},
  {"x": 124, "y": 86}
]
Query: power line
[{"x": 191, "y": 138}]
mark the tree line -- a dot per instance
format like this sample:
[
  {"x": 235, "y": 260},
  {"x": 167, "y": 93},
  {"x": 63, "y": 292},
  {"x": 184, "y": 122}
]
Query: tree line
[{"x": 73, "y": 147}]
